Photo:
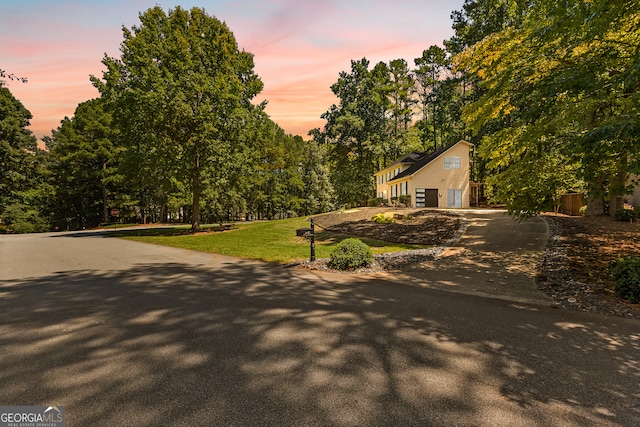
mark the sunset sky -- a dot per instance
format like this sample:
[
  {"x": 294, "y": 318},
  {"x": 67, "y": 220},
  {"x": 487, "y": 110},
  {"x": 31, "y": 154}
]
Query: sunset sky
[{"x": 300, "y": 46}]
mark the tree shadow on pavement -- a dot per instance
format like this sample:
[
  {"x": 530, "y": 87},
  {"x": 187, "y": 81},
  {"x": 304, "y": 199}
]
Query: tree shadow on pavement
[{"x": 253, "y": 344}]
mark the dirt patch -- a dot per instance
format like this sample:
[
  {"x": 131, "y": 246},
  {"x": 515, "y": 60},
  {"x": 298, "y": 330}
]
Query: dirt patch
[
  {"x": 574, "y": 267},
  {"x": 411, "y": 226}
]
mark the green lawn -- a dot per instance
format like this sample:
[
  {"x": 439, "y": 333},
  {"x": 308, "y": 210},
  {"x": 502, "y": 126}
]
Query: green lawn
[{"x": 273, "y": 241}]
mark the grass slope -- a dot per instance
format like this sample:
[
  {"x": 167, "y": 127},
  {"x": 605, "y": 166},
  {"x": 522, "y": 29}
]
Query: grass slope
[{"x": 272, "y": 241}]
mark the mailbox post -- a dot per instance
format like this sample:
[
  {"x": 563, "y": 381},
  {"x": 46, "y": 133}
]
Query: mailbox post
[
  {"x": 313, "y": 243},
  {"x": 309, "y": 232}
]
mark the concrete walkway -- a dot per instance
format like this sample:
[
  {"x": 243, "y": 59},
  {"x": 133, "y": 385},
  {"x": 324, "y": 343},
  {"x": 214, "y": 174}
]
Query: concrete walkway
[{"x": 496, "y": 257}]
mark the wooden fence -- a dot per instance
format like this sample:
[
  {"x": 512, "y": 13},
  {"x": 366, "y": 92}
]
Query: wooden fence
[{"x": 570, "y": 204}]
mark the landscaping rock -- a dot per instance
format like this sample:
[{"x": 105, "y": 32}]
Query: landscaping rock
[{"x": 556, "y": 273}]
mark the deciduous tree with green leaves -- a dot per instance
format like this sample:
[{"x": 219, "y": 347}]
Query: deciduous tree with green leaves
[
  {"x": 182, "y": 90},
  {"x": 370, "y": 126},
  {"x": 565, "y": 86},
  {"x": 355, "y": 130}
]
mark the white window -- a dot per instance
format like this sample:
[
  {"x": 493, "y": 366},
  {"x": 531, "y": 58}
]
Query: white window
[
  {"x": 404, "y": 188},
  {"x": 381, "y": 179},
  {"x": 388, "y": 176},
  {"x": 452, "y": 162},
  {"x": 381, "y": 195},
  {"x": 454, "y": 198},
  {"x": 396, "y": 171},
  {"x": 394, "y": 190}
]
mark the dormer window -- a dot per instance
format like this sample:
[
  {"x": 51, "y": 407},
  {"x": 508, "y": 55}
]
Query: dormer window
[{"x": 452, "y": 162}]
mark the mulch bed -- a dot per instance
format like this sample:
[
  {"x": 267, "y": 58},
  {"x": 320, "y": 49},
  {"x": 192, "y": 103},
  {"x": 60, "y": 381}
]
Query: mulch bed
[
  {"x": 412, "y": 226},
  {"x": 573, "y": 270}
]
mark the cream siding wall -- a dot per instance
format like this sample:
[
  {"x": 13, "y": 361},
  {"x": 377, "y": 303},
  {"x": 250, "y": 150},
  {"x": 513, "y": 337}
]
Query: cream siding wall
[
  {"x": 434, "y": 175},
  {"x": 633, "y": 198},
  {"x": 385, "y": 188}
]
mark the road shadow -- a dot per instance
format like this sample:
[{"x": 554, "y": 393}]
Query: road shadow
[{"x": 250, "y": 344}]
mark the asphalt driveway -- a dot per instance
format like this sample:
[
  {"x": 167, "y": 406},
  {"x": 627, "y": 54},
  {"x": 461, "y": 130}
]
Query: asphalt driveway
[
  {"x": 126, "y": 334},
  {"x": 496, "y": 257}
]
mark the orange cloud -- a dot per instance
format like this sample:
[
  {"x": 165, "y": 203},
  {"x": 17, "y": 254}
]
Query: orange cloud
[{"x": 300, "y": 47}]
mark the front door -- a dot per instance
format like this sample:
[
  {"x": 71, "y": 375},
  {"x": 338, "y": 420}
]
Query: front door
[{"x": 426, "y": 197}]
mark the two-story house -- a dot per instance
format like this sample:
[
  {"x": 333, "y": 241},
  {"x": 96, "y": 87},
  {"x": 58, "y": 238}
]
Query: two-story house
[{"x": 438, "y": 179}]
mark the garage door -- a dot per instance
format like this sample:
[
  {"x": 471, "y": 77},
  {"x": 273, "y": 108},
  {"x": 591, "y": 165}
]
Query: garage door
[{"x": 426, "y": 197}]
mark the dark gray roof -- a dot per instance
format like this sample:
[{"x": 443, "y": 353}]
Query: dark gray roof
[
  {"x": 410, "y": 158},
  {"x": 420, "y": 161}
]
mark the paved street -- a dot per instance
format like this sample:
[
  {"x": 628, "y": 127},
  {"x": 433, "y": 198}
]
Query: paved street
[{"x": 127, "y": 334}]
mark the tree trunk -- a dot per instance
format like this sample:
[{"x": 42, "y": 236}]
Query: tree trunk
[
  {"x": 616, "y": 203},
  {"x": 617, "y": 191},
  {"x": 595, "y": 199},
  {"x": 195, "y": 215},
  {"x": 104, "y": 204},
  {"x": 435, "y": 132},
  {"x": 104, "y": 195}
]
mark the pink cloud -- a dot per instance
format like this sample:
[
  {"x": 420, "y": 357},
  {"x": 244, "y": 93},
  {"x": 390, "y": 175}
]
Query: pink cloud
[{"x": 300, "y": 47}]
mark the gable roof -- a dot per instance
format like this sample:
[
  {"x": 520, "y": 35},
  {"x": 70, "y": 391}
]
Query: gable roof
[
  {"x": 423, "y": 160},
  {"x": 410, "y": 158}
]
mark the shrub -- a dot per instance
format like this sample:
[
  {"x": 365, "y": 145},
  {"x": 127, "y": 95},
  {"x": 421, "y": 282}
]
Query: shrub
[
  {"x": 382, "y": 219},
  {"x": 626, "y": 278},
  {"x": 351, "y": 254},
  {"x": 378, "y": 201},
  {"x": 625, "y": 215},
  {"x": 32, "y": 225},
  {"x": 21, "y": 219}
]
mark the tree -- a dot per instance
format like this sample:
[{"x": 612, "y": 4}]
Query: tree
[
  {"x": 356, "y": 130},
  {"x": 10, "y": 76},
  {"x": 565, "y": 81},
  {"x": 477, "y": 20},
  {"x": 275, "y": 181},
  {"x": 84, "y": 166},
  {"x": 399, "y": 88},
  {"x": 25, "y": 196},
  {"x": 430, "y": 71},
  {"x": 17, "y": 146},
  {"x": 319, "y": 193},
  {"x": 282, "y": 177},
  {"x": 182, "y": 89},
  {"x": 373, "y": 124}
]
